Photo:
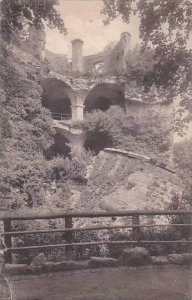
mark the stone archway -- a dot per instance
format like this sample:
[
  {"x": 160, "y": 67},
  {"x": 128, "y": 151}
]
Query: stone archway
[
  {"x": 57, "y": 97},
  {"x": 104, "y": 95}
]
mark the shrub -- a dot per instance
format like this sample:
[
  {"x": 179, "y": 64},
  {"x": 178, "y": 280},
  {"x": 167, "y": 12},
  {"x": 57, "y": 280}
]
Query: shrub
[{"x": 146, "y": 135}]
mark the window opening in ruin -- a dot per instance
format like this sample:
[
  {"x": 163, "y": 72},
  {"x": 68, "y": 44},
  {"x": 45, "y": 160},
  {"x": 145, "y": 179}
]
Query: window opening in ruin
[
  {"x": 60, "y": 147},
  {"x": 99, "y": 67}
]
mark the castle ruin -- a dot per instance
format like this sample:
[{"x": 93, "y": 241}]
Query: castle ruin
[{"x": 96, "y": 82}]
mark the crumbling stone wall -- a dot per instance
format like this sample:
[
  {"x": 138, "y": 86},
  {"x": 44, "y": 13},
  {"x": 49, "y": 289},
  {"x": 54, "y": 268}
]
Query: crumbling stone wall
[
  {"x": 35, "y": 43},
  {"x": 57, "y": 62},
  {"x": 120, "y": 56},
  {"x": 115, "y": 60}
]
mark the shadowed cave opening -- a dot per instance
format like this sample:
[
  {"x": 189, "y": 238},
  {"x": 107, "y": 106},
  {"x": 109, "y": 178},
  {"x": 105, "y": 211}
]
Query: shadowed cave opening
[
  {"x": 58, "y": 148},
  {"x": 56, "y": 97},
  {"x": 97, "y": 142},
  {"x": 104, "y": 95},
  {"x": 100, "y": 103}
]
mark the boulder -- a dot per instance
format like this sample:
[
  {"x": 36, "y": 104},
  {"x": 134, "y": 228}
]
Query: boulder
[
  {"x": 180, "y": 259},
  {"x": 64, "y": 266},
  {"x": 135, "y": 257},
  {"x": 187, "y": 258},
  {"x": 99, "y": 262},
  {"x": 159, "y": 260},
  {"x": 39, "y": 260}
]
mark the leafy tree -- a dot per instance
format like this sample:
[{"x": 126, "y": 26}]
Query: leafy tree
[
  {"x": 140, "y": 66},
  {"x": 26, "y": 127},
  {"x": 165, "y": 25},
  {"x": 34, "y": 12}
]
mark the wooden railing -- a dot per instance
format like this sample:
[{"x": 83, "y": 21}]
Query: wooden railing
[
  {"x": 61, "y": 116},
  {"x": 69, "y": 243}
]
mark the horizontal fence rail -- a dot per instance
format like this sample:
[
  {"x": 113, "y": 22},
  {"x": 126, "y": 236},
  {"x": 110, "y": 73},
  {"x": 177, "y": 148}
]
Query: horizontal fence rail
[
  {"x": 60, "y": 116},
  {"x": 62, "y": 215},
  {"x": 69, "y": 243}
]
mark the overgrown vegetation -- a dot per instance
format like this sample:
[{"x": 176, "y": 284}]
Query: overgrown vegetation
[
  {"x": 26, "y": 130},
  {"x": 16, "y": 14},
  {"x": 26, "y": 127},
  {"x": 146, "y": 134},
  {"x": 164, "y": 26},
  {"x": 28, "y": 180},
  {"x": 183, "y": 162}
]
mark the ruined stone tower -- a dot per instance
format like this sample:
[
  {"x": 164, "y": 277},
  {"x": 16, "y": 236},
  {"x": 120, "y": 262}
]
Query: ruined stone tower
[
  {"x": 120, "y": 56},
  {"x": 77, "y": 56}
]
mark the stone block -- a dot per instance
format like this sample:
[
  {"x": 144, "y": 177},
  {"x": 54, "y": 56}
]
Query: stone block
[
  {"x": 180, "y": 259},
  {"x": 159, "y": 260},
  {"x": 39, "y": 260},
  {"x": 137, "y": 256},
  {"x": 99, "y": 262}
]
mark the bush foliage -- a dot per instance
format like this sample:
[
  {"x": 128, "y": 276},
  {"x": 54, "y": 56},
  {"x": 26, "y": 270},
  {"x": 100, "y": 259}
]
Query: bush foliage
[{"x": 147, "y": 134}]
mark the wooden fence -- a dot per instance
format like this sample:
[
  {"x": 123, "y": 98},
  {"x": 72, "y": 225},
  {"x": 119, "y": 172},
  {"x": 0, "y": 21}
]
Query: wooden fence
[
  {"x": 135, "y": 225},
  {"x": 60, "y": 116}
]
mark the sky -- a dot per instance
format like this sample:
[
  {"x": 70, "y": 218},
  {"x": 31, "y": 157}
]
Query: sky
[{"x": 83, "y": 20}]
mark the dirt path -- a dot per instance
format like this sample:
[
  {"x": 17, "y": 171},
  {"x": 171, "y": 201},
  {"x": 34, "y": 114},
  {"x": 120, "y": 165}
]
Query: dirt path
[
  {"x": 5, "y": 293},
  {"x": 107, "y": 284}
]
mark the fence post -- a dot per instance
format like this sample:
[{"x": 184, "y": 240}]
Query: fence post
[
  {"x": 68, "y": 237},
  {"x": 136, "y": 230},
  {"x": 7, "y": 241},
  {"x": 188, "y": 220}
]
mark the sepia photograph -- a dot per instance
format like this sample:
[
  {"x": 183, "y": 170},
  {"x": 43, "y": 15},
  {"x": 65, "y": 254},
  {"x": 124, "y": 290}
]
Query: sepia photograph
[{"x": 95, "y": 149}]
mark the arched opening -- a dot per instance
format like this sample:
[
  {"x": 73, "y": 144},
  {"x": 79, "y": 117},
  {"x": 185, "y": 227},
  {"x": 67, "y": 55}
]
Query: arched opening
[
  {"x": 56, "y": 97},
  {"x": 60, "y": 147},
  {"x": 97, "y": 142},
  {"x": 103, "y": 96},
  {"x": 100, "y": 103}
]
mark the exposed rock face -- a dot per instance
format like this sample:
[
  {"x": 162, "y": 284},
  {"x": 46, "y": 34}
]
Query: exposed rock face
[{"x": 119, "y": 182}]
